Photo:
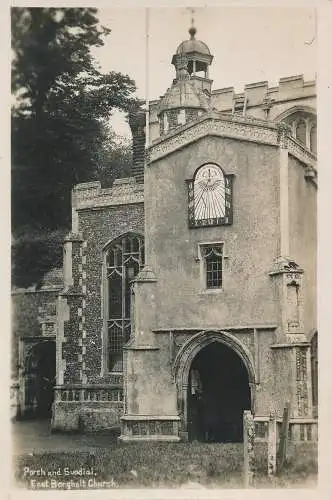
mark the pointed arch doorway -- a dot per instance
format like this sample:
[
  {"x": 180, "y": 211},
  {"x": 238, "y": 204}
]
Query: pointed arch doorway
[
  {"x": 38, "y": 379},
  {"x": 215, "y": 381}
]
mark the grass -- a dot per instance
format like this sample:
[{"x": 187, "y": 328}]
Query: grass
[{"x": 171, "y": 465}]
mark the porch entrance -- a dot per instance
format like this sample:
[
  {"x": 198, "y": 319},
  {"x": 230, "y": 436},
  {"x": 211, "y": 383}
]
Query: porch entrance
[
  {"x": 218, "y": 393},
  {"x": 39, "y": 380}
]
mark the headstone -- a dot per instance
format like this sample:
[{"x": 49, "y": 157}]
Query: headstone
[
  {"x": 248, "y": 448},
  {"x": 272, "y": 446}
]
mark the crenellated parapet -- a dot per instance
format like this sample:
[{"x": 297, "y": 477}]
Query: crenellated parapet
[
  {"x": 259, "y": 94},
  {"x": 91, "y": 195},
  {"x": 258, "y": 100}
]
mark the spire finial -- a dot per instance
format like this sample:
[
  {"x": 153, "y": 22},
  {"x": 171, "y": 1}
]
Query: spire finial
[{"x": 192, "y": 29}]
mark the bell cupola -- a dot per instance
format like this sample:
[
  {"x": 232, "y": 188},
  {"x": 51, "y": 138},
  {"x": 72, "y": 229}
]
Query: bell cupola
[
  {"x": 189, "y": 96},
  {"x": 198, "y": 58}
]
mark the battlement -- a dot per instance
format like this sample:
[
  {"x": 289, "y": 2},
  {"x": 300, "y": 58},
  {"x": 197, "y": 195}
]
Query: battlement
[
  {"x": 92, "y": 195},
  {"x": 258, "y": 93},
  {"x": 257, "y": 99}
]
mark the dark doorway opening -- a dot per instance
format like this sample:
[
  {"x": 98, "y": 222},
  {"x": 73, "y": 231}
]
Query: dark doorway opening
[
  {"x": 218, "y": 393},
  {"x": 40, "y": 380}
]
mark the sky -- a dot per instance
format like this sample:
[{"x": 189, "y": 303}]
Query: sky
[{"x": 249, "y": 44}]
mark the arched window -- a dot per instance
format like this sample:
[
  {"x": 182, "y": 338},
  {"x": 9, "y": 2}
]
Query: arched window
[
  {"x": 303, "y": 125},
  {"x": 166, "y": 126},
  {"x": 210, "y": 197},
  {"x": 313, "y": 139},
  {"x": 123, "y": 259},
  {"x": 301, "y": 131}
]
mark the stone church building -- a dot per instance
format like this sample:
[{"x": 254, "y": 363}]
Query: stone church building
[{"x": 189, "y": 289}]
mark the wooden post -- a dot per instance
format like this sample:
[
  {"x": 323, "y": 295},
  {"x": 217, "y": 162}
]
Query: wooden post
[
  {"x": 272, "y": 446},
  {"x": 248, "y": 448},
  {"x": 282, "y": 450}
]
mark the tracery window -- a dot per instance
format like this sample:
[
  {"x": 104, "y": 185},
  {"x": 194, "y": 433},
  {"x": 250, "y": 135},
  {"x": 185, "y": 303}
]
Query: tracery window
[
  {"x": 304, "y": 128},
  {"x": 123, "y": 258},
  {"x": 210, "y": 197}
]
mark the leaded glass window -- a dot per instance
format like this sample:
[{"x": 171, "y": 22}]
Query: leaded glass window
[
  {"x": 210, "y": 197},
  {"x": 213, "y": 260},
  {"x": 124, "y": 259}
]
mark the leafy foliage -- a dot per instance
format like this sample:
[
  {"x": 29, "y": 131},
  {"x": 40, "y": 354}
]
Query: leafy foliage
[
  {"x": 117, "y": 161},
  {"x": 60, "y": 132},
  {"x": 35, "y": 253}
]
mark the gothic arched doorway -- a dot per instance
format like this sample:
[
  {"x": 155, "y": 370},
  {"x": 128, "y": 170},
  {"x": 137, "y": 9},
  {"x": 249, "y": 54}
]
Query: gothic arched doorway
[
  {"x": 40, "y": 371},
  {"x": 215, "y": 380},
  {"x": 218, "y": 392}
]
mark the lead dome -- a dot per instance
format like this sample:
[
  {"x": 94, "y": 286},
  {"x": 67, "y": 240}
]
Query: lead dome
[
  {"x": 193, "y": 45},
  {"x": 197, "y": 53}
]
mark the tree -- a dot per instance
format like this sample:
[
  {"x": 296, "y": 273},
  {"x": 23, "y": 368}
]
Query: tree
[
  {"x": 62, "y": 106},
  {"x": 116, "y": 161},
  {"x": 63, "y": 103}
]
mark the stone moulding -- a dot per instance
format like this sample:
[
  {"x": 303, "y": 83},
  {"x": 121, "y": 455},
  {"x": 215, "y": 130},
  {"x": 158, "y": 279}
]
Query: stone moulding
[
  {"x": 89, "y": 393},
  {"x": 188, "y": 351},
  {"x": 33, "y": 289},
  {"x": 195, "y": 343},
  {"x": 110, "y": 201},
  {"x": 150, "y": 417},
  {"x": 285, "y": 265},
  {"x": 290, "y": 345},
  {"x": 215, "y": 125},
  {"x": 150, "y": 428},
  {"x": 146, "y": 275},
  {"x": 141, "y": 348},
  {"x": 245, "y": 129},
  {"x": 182, "y": 329},
  {"x": 300, "y": 152}
]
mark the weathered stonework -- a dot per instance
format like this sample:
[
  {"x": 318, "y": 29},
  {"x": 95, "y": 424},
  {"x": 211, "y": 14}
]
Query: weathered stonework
[
  {"x": 302, "y": 382},
  {"x": 248, "y": 448},
  {"x": 217, "y": 125},
  {"x": 263, "y": 311}
]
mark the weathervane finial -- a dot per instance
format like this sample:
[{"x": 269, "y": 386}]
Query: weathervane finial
[{"x": 192, "y": 29}]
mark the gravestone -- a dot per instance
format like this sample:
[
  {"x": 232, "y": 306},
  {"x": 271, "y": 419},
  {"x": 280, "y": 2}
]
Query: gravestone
[
  {"x": 272, "y": 446},
  {"x": 248, "y": 448}
]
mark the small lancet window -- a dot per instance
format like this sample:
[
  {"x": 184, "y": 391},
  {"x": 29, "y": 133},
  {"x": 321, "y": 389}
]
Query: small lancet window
[{"x": 213, "y": 262}]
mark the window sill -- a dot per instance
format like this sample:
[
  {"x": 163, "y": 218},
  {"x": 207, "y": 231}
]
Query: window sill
[{"x": 212, "y": 291}]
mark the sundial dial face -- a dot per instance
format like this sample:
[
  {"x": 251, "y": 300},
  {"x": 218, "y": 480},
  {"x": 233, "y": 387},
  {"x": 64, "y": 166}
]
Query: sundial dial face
[{"x": 209, "y": 193}]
